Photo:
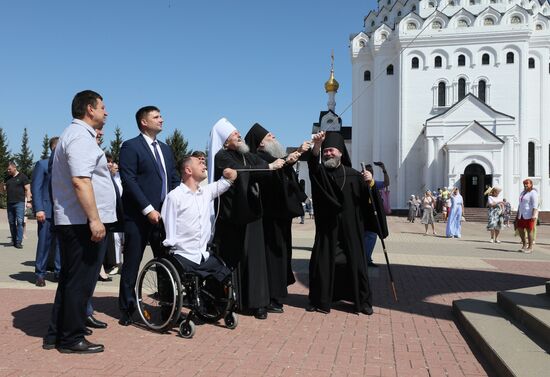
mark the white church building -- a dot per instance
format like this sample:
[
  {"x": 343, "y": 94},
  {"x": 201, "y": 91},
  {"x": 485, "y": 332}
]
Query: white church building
[{"x": 454, "y": 93}]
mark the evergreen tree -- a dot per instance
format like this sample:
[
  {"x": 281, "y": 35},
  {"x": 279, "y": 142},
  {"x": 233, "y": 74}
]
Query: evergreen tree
[
  {"x": 45, "y": 148},
  {"x": 24, "y": 159},
  {"x": 5, "y": 154},
  {"x": 178, "y": 144},
  {"x": 116, "y": 144}
]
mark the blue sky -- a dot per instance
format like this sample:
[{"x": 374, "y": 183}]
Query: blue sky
[{"x": 250, "y": 61}]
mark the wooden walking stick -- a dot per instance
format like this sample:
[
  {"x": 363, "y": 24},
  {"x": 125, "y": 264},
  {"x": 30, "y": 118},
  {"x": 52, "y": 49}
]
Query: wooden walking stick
[{"x": 379, "y": 227}]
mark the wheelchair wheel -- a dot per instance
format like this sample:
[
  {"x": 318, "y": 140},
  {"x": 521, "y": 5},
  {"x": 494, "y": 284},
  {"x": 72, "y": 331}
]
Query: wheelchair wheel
[
  {"x": 187, "y": 329},
  {"x": 215, "y": 300},
  {"x": 158, "y": 292},
  {"x": 231, "y": 320}
]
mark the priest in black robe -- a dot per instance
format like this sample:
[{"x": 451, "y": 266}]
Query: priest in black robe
[
  {"x": 239, "y": 233},
  {"x": 338, "y": 266},
  {"x": 282, "y": 198}
]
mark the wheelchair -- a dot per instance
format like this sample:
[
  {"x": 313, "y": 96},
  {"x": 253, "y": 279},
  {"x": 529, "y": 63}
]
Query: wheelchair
[{"x": 163, "y": 288}]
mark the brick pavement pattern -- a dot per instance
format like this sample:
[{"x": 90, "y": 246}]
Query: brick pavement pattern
[{"x": 416, "y": 336}]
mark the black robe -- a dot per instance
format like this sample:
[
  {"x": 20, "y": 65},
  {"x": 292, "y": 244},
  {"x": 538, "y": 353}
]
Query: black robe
[
  {"x": 282, "y": 199},
  {"x": 239, "y": 233},
  {"x": 338, "y": 266}
]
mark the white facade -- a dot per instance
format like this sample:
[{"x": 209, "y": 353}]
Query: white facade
[{"x": 420, "y": 120}]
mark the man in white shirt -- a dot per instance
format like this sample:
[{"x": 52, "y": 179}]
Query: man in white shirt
[
  {"x": 186, "y": 214},
  {"x": 527, "y": 215}
]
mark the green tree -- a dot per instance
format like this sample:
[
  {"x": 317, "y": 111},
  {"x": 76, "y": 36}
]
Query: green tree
[
  {"x": 5, "y": 157},
  {"x": 179, "y": 144},
  {"x": 45, "y": 148},
  {"x": 24, "y": 159},
  {"x": 116, "y": 144}
]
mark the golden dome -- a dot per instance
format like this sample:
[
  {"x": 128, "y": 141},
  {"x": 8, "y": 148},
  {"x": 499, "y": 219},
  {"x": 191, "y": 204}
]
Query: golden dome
[{"x": 331, "y": 85}]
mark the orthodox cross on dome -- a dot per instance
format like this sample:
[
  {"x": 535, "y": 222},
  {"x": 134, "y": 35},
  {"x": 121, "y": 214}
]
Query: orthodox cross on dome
[{"x": 331, "y": 86}]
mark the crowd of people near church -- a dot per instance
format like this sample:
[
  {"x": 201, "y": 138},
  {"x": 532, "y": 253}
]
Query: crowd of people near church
[
  {"x": 448, "y": 206},
  {"x": 105, "y": 212}
]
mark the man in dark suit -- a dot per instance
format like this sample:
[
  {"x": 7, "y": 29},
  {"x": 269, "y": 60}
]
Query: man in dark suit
[
  {"x": 148, "y": 173},
  {"x": 42, "y": 207}
]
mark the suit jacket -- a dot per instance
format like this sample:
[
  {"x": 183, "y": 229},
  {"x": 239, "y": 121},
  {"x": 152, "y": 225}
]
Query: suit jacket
[
  {"x": 40, "y": 188},
  {"x": 141, "y": 177}
]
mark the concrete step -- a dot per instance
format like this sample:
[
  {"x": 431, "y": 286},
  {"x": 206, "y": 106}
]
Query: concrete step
[
  {"x": 507, "y": 348},
  {"x": 530, "y": 307}
]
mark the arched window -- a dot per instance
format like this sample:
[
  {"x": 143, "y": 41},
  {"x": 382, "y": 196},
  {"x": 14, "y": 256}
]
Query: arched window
[
  {"x": 414, "y": 63},
  {"x": 411, "y": 26},
  {"x": 385, "y": 18},
  {"x": 436, "y": 25},
  {"x": 399, "y": 14},
  {"x": 531, "y": 63},
  {"x": 438, "y": 62},
  {"x": 481, "y": 90},
  {"x": 389, "y": 70},
  {"x": 488, "y": 21},
  {"x": 372, "y": 24},
  {"x": 510, "y": 58},
  {"x": 485, "y": 59},
  {"x": 531, "y": 159},
  {"x": 441, "y": 94},
  {"x": 461, "y": 60},
  {"x": 413, "y": 8},
  {"x": 515, "y": 20},
  {"x": 366, "y": 76},
  {"x": 461, "y": 89}
]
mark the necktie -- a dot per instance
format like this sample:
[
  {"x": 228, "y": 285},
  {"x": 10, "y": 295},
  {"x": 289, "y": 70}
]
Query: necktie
[{"x": 161, "y": 169}]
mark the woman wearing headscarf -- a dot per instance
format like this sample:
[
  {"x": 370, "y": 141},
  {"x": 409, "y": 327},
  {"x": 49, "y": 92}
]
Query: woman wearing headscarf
[
  {"x": 412, "y": 209},
  {"x": 455, "y": 214}
]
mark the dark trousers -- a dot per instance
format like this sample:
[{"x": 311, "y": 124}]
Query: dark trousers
[
  {"x": 213, "y": 266},
  {"x": 136, "y": 236},
  {"x": 80, "y": 264},
  {"x": 46, "y": 239}
]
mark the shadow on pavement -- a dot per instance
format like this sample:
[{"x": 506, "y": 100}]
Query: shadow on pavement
[
  {"x": 33, "y": 320},
  {"x": 419, "y": 288},
  {"x": 24, "y": 276}
]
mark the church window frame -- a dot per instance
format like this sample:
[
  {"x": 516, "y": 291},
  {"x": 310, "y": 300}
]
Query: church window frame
[
  {"x": 413, "y": 8},
  {"x": 482, "y": 90},
  {"x": 389, "y": 70},
  {"x": 372, "y": 24},
  {"x": 539, "y": 27},
  {"x": 510, "y": 57},
  {"x": 461, "y": 60},
  {"x": 437, "y": 25},
  {"x": 516, "y": 20},
  {"x": 412, "y": 26},
  {"x": 438, "y": 62},
  {"x": 485, "y": 59},
  {"x": 461, "y": 88},
  {"x": 383, "y": 37},
  {"x": 415, "y": 63},
  {"x": 366, "y": 75},
  {"x": 488, "y": 21},
  {"x": 399, "y": 14},
  {"x": 531, "y": 63},
  {"x": 531, "y": 154},
  {"x": 386, "y": 19},
  {"x": 431, "y": 4},
  {"x": 451, "y": 3},
  {"x": 462, "y": 22},
  {"x": 442, "y": 94}
]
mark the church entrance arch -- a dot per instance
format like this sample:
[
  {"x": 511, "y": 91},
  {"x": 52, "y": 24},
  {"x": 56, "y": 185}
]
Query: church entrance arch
[{"x": 473, "y": 184}]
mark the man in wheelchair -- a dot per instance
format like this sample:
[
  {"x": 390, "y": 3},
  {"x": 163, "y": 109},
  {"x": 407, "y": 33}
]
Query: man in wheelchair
[{"x": 186, "y": 214}]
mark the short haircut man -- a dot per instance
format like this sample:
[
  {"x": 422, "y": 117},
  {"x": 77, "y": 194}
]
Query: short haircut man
[
  {"x": 84, "y": 203},
  {"x": 18, "y": 190},
  {"x": 148, "y": 173}
]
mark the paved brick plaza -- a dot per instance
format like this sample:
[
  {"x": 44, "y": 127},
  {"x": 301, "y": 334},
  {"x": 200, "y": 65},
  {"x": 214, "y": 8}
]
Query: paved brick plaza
[{"x": 415, "y": 337}]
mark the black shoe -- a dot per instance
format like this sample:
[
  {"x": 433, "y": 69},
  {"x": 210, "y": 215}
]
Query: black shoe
[
  {"x": 82, "y": 347},
  {"x": 94, "y": 323},
  {"x": 372, "y": 264},
  {"x": 367, "y": 309},
  {"x": 48, "y": 344},
  {"x": 55, "y": 278},
  {"x": 260, "y": 313},
  {"x": 108, "y": 278},
  {"x": 125, "y": 319},
  {"x": 18, "y": 246},
  {"x": 40, "y": 282},
  {"x": 88, "y": 331},
  {"x": 311, "y": 308},
  {"x": 274, "y": 308}
]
